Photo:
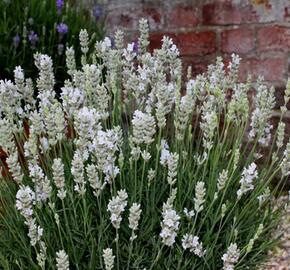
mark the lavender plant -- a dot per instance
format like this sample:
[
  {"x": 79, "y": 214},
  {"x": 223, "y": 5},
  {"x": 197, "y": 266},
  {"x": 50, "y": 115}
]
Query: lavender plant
[{"x": 118, "y": 175}]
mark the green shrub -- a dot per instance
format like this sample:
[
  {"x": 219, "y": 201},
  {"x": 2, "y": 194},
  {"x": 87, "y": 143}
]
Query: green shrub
[
  {"x": 119, "y": 175},
  {"x": 43, "y": 26}
]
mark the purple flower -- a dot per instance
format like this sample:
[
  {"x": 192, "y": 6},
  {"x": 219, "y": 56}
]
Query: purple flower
[
  {"x": 135, "y": 47},
  {"x": 16, "y": 40},
  {"x": 62, "y": 28},
  {"x": 59, "y": 5},
  {"x": 97, "y": 11},
  {"x": 33, "y": 38}
]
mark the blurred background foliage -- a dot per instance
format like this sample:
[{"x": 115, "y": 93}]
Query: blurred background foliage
[{"x": 46, "y": 26}]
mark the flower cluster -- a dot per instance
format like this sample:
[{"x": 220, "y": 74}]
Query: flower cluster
[
  {"x": 62, "y": 262},
  {"x": 231, "y": 257},
  {"x": 169, "y": 225},
  {"x": 116, "y": 207},
  {"x": 248, "y": 176},
  {"x": 192, "y": 243}
]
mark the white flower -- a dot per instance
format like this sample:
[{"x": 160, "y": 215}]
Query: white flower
[
  {"x": 192, "y": 243},
  {"x": 94, "y": 180},
  {"x": 34, "y": 232},
  {"x": 143, "y": 128},
  {"x": 285, "y": 164},
  {"x": 231, "y": 257},
  {"x": 165, "y": 154},
  {"x": 130, "y": 47},
  {"x": 108, "y": 258},
  {"x": 77, "y": 170},
  {"x": 222, "y": 179},
  {"x": 169, "y": 225},
  {"x": 72, "y": 99},
  {"x": 106, "y": 145},
  {"x": 41, "y": 256},
  {"x": 248, "y": 176},
  {"x": 106, "y": 44},
  {"x": 70, "y": 60},
  {"x": 134, "y": 217},
  {"x": 143, "y": 40},
  {"x": 189, "y": 214},
  {"x": 41, "y": 182},
  {"x": 62, "y": 261},
  {"x": 14, "y": 166},
  {"x": 87, "y": 126},
  {"x": 280, "y": 134},
  {"x": 264, "y": 104},
  {"x": 199, "y": 196},
  {"x": 116, "y": 207},
  {"x": 58, "y": 177},
  {"x": 209, "y": 123},
  {"x": 25, "y": 199},
  {"x": 84, "y": 41}
]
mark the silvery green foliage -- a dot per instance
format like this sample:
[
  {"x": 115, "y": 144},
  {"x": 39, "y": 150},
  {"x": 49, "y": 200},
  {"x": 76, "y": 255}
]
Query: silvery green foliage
[{"x": 127, "y": 130}]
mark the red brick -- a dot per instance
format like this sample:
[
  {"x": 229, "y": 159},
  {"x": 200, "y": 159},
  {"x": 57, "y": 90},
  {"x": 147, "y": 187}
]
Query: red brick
[
  {"x": 228, "y": 13},
  {"x": 156, "y": 39},
  {"x": 274, "y": 38},
  {"x": 239, "y": 40},
  {"x": 200, "y": 43},
  {"x": 191, "y": 43},
  {"x": 199, "y": 65},
  {"x": 128, "y": 18},
  {"x": 273, "y": 69},
  {"x": 183, "y": 16}
]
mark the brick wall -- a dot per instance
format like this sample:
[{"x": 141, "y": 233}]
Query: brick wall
[{"x": 258, "y": 30}]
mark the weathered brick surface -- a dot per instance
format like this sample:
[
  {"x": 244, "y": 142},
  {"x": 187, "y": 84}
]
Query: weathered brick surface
[
  {"x": 240, "y": 40},
  {"x": 273, "y": 38},
  {"x": 272, "y": 69},
  {"x": 189, "y": 43},
  {"x": 258, "y": 30},
  {"x": 183, "y": 16},
  {"x": 228, "y": 12}
]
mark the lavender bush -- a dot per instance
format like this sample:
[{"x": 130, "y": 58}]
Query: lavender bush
[{"x": 118, "y": 175}]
